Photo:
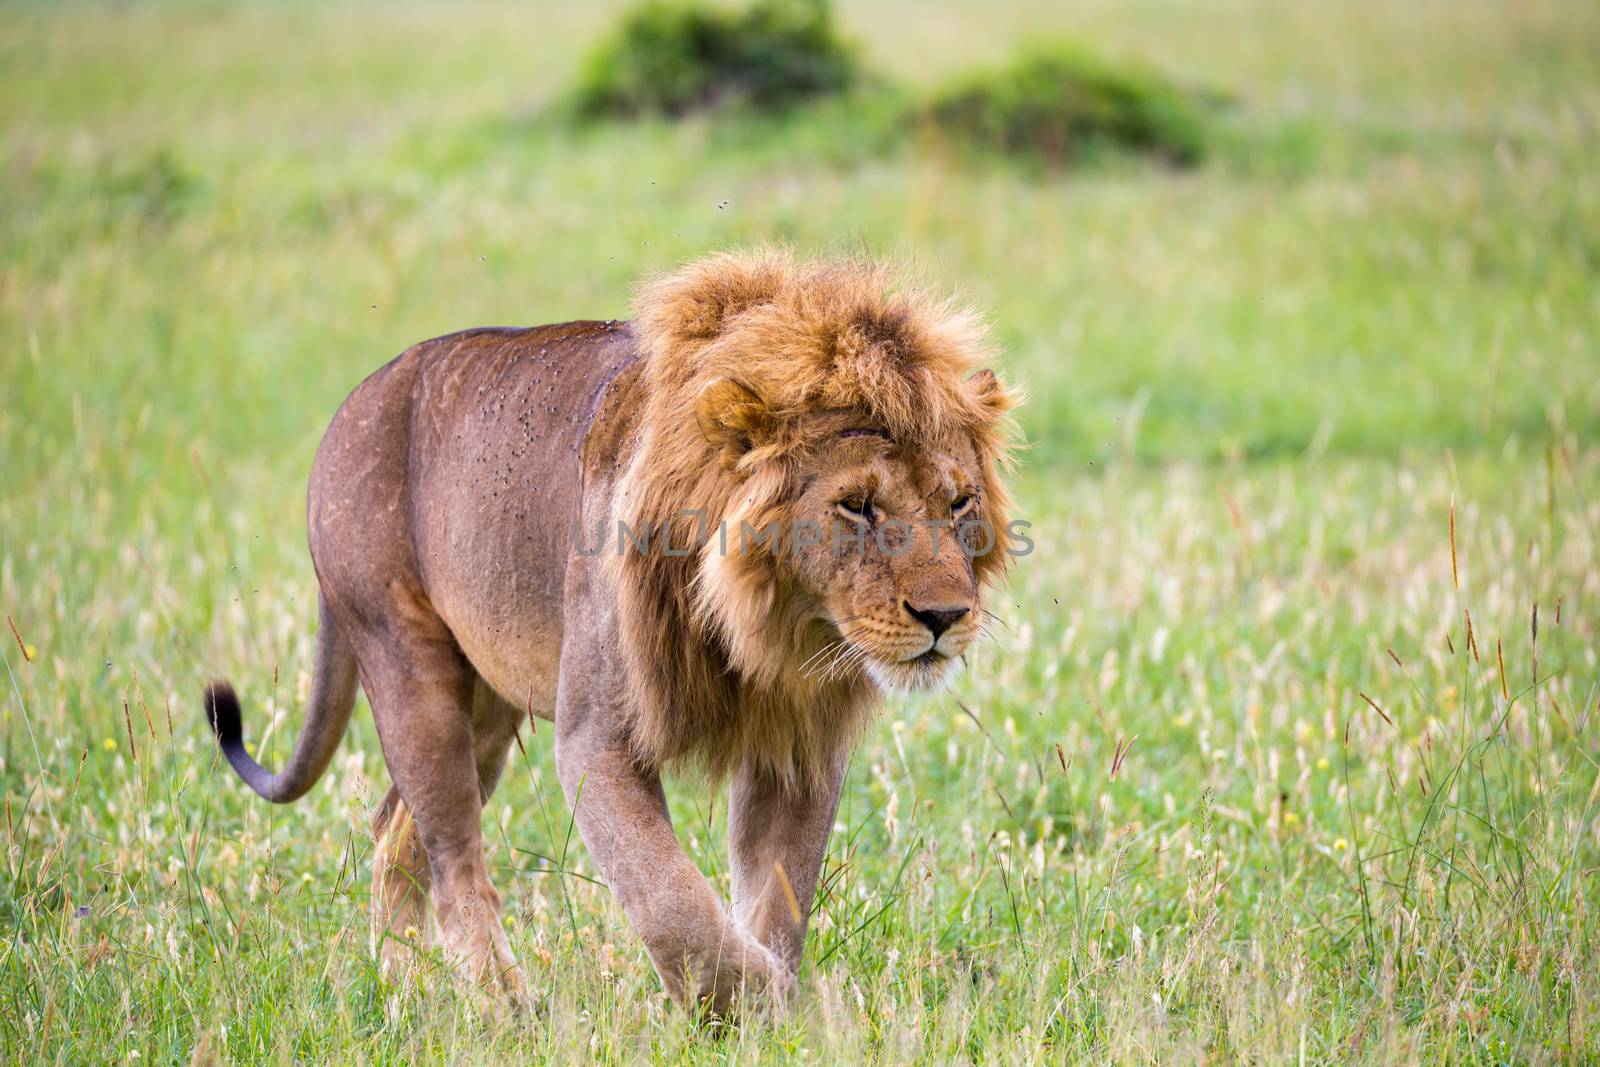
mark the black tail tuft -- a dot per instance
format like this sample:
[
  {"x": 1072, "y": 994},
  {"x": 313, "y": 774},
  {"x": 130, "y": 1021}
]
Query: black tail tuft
[
  {"x": 222, "y": 712},
  {"x": 333, "y": 694}
]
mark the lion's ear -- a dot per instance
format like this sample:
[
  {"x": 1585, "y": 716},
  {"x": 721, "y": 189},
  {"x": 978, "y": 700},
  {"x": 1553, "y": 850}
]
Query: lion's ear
[
  {"x": 990, "y": 393},
  {"x": 732, "y": 417}
]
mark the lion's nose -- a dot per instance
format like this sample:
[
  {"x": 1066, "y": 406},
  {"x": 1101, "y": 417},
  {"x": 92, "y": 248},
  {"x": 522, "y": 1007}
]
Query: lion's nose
[{"x": 937, "y": 620}]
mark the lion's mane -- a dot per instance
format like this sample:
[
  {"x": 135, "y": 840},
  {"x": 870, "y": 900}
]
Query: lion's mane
[{"x": 712, "y": 640}]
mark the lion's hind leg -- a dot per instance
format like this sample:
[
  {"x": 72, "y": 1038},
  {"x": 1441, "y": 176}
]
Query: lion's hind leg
[
  {"x": 421, "y": 691},
  {"x": 400, "y": 881},
  {"x": 401, "y": 875}
]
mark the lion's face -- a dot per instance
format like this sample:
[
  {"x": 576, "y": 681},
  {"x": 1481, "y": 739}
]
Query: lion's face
[{"x": 884, "y": 541}]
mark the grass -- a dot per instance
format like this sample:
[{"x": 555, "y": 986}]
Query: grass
[{"x": 1258, "y": 387}]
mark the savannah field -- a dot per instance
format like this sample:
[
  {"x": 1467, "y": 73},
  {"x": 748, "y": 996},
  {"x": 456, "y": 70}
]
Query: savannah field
[{"x": 1285, "y": 751}]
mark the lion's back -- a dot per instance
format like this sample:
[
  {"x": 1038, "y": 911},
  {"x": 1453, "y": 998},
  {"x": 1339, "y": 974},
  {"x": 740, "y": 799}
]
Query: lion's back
[{"x": 456, "y": 466}]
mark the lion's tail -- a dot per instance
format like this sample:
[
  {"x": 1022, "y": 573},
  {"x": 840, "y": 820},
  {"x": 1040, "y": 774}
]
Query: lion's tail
[{"x": 333, "y": 694}]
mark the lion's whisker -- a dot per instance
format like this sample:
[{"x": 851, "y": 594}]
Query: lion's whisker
[
  {"x": 829, "y": 647},
  {"x": 845, "y": 663},
  {"x": 842, "y": 662},
  {"x": 836, "y": 649},
  {"x": 991, "y": 615},
  {"x": 985, "y": 632},
  {"x": 852, "y": 662}
]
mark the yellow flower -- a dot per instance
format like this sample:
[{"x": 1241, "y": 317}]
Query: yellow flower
[
  {"x": 1322, "y": 764},
  {"x": 411, "y": 932},
  {"x": 1290, "y": 820},
  {"x": 111, "y": 744},
  {"x": 1340, "y": 845}
]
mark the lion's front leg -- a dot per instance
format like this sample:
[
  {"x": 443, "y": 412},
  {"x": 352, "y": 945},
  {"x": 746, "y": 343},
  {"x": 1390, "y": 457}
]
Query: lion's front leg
[
  {"x": 778, "y": 838},
  {"x": 702, "y": 955}
]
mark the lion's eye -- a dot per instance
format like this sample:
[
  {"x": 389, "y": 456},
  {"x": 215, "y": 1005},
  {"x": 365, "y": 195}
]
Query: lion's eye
[
  {"x": 857, "y": 508},
  {"x": 961, "y": 503}
]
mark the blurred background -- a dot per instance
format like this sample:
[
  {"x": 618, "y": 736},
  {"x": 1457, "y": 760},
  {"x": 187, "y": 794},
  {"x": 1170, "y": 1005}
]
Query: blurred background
[
  {"x": 1380, "y": 233},
  {"x": 1296, "y": 288}
]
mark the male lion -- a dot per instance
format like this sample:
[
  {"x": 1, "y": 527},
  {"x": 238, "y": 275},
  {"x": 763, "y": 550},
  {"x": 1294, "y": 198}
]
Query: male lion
[{"x": 454, "y": 508}]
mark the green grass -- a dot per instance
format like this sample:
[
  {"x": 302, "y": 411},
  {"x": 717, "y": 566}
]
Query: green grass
[{"x": 1257, "y": 387}]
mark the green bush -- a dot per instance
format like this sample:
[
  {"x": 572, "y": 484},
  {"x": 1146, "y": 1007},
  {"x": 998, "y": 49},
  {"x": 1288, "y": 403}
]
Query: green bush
[
  {"x": 1064, "y": 106},
  {"x": 671, "y": 57}
]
